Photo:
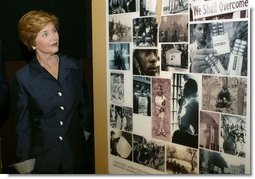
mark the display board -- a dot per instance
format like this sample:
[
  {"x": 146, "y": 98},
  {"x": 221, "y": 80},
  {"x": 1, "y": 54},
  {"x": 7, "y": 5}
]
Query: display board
[{"x": 178, "y": 86}]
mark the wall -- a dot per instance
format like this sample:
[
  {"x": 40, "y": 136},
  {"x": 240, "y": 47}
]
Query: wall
[{"x": 99, "y": 82}]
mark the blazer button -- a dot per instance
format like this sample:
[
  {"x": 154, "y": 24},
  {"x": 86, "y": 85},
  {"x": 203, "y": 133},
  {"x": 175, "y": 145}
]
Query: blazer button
[
  {"x": 62, "y": 108},
  {"x": 59, "y": 94},
  {"x": 60, "y": 138},
  {"x": 61, "y": 123}
]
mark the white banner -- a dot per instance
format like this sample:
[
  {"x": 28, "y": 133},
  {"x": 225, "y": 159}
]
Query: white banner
[{"x": 210, "y": 8}]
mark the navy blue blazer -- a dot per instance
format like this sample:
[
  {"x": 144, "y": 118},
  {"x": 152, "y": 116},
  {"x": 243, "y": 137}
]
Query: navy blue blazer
[{"x": 50, "y": 115}]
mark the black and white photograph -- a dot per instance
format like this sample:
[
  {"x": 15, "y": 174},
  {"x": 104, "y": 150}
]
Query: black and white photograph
[
  {"x": 120, "y": 28},
  {"x": 233, "y": 135},
  {"x": 121, "y": 118},
  {"x": 174, "y": 28},
  {"x": 212, "y": 162},
  {"x": 119, "y": 56},
  {"x": 209, "y": 130},
  {"x": 161, "y": 92},
  {"x": 185, "y": 110},
  {"x": 148, "y": 7},
  {"x": 149, "y": 152},
  {"x": 121, "y": 144},
  {"x": 219, "y": 48},
  {"x": 142, "y": 95},
  {"x": 117, "y": 88},
  {"x": 174, "y": 56},
  {"x": 181, "y": 160},
  {"x": 175, "y": 6},
  {"x": 205, "y": 10},
  {"x": 224, "y": 94},
  {"x": 146, "y": 62},
  {"x": 145, "y": 32},
  {"x": 122, "y": 6}
]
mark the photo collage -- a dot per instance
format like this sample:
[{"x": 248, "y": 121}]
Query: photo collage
[{"x": 178, "y": 86}]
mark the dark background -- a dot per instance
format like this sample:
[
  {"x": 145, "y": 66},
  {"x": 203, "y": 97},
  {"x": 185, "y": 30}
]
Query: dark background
[
  {"x": 75, "y": 40},
  {"x": 74, "y": 32}
]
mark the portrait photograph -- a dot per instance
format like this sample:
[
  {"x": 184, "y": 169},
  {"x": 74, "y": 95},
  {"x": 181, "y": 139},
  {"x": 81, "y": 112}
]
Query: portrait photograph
[
  {"x": 161, "y": 91},
  {"x": 146, "y": 62},
  {"x": 185, "y": 109}
]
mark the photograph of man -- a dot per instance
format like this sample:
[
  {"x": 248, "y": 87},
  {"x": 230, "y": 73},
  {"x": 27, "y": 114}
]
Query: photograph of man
[
  {"x": 161, "y": 108},
  {"x": 146, "y": 62},
  {"x": 187, "y": 134},
  {"x": 224, "y": 99},
  {"x": 224, "y": 94},
  {"x": 200, "y": 48},
  {"x": 214, "y": 48}
]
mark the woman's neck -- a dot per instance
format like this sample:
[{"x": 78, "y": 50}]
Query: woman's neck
[{"x": 48, "y": 61}]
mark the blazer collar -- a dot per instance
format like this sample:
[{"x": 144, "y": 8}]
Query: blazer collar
[{"x": 65, "y": 63}]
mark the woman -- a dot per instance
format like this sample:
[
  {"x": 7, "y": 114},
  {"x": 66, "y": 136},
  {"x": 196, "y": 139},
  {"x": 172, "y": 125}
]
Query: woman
[{"x": 50, "y": 112}]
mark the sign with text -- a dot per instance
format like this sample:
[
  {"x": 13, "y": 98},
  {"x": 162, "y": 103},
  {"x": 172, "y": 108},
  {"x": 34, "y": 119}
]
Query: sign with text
[{"x": 211, "y": 8}]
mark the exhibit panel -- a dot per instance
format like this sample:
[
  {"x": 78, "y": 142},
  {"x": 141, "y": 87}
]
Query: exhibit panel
[{"x": 178, "y": 86}]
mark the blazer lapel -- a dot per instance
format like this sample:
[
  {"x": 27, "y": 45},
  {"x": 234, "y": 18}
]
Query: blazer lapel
[
  {"x": 65, "y": 65},
  {"x": 37, "y": 71}
]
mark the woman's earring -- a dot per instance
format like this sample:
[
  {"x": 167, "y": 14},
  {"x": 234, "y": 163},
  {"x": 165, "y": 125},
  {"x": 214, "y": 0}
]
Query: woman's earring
[{"x": 33, "y": 47}]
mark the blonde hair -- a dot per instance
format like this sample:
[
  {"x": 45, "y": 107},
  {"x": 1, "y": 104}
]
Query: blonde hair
[{"x": 31, "y": 23}]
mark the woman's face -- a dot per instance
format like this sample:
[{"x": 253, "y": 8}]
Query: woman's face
[
  {"x": 148, "y": 62},
  {"x": 200, "y": 32},
  {"x": 47, "y": 40}
]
